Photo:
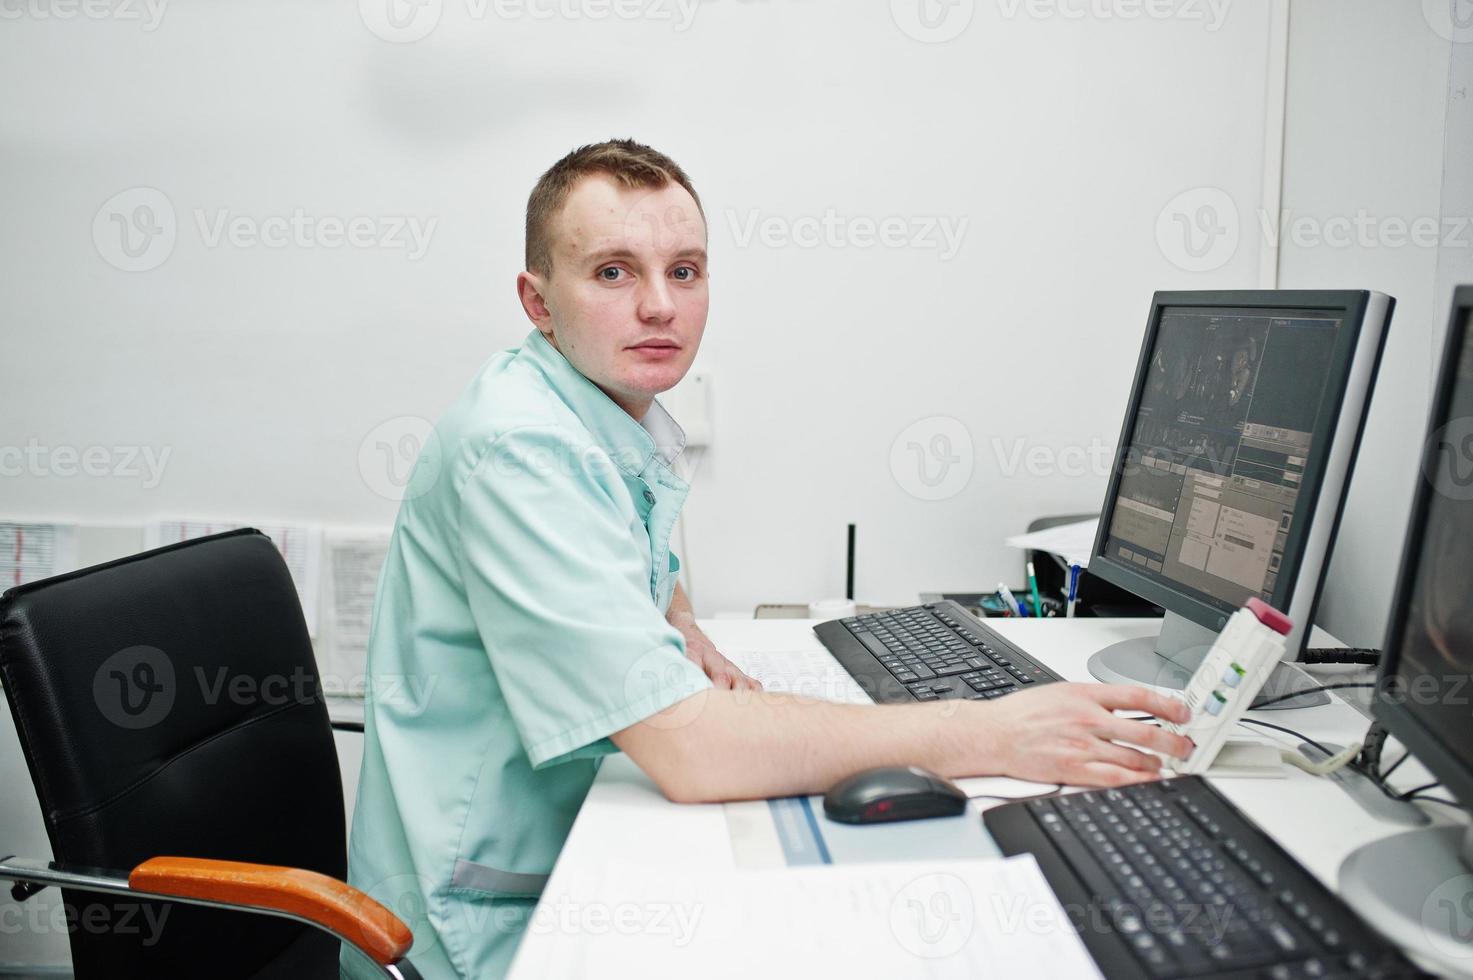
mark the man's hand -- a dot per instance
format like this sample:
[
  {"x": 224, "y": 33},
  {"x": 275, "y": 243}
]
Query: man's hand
[
  {"x": 700, "y": 651},
  {"x": 1067, "y": 733},
  {"x": 723, "y": 673}
]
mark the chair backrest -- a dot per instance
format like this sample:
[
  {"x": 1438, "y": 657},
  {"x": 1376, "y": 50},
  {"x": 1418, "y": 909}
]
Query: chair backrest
[{"x": 169, "y": 703}]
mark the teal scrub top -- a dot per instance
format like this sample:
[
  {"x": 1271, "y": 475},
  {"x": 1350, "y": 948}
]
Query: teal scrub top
[{"x": 519, "y": 621}]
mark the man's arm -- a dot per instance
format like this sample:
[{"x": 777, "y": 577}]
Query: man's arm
[
  {"x": 728, "y": 745},
  {"x": 701, "y": 651}
]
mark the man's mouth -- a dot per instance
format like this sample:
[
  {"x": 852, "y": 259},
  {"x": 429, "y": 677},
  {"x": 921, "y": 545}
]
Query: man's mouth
[{"x": 655, "y": 345}]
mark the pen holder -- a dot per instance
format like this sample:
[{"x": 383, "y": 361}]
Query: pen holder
[{"x": 1051, "y": 607}]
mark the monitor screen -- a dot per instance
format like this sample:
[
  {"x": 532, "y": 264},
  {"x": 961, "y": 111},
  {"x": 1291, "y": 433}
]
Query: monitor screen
[
  {"x": 1430, "y": 654},
  {"x": 1210, "y": 481}
]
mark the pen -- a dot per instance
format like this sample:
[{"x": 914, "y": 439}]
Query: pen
[
  {"x": 1073, "y": 589},
  {"x": 1010, "y": 599},
  {"x": 1033, "y": 585}
]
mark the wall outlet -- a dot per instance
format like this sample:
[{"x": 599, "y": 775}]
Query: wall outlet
[{"x": 690, "y": 403}]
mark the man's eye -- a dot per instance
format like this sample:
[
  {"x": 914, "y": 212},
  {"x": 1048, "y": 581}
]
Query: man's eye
[
  {"x": 610, "y": 273},
  {"x": 684, "y": 273}
]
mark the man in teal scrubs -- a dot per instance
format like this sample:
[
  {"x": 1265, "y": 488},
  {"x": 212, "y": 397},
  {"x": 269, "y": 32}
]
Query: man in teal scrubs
[{"x": 528, "y": 620}]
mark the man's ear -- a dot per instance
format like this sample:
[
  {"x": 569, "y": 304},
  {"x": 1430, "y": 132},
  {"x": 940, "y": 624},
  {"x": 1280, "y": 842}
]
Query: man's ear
[{"x": 529, "y": 292}]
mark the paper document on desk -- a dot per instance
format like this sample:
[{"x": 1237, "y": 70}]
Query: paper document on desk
[
  {"x": 933, "y": 920},
  {"x": 1071, "y": 542},
  {"x": 810, "y": 672}
]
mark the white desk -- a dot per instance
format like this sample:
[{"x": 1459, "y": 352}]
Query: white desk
[{"x": 626, "y": 816}]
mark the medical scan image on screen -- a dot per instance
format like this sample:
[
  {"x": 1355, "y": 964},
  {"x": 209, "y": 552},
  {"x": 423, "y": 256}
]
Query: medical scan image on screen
[
  {"x": 1211, "y": 477},
  {"x": 1437, "y": 637}
]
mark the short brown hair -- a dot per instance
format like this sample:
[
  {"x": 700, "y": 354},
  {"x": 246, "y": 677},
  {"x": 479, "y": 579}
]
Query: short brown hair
[{"x": 629, "y": 163}]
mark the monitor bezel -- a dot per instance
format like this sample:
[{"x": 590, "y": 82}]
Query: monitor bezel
[
  {"x": 1351, "y": 306},
  {"x": 1399, "y": 718}
]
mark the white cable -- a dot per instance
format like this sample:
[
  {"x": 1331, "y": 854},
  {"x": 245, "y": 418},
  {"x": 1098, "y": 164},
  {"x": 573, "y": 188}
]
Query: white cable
[
  {"x": 1295, "y": 758},
  {"x": 1337, "y": 761},
  {"x": 693, "y": 462}
]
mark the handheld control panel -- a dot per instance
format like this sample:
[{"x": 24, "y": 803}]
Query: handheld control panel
[{"x": 1238, "y": 664}]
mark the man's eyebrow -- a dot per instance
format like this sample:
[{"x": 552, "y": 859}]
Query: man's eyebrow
[{"x": 609, "y": 254}]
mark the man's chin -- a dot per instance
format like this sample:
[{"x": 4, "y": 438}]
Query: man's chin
[{"x": 650, "y": 380}]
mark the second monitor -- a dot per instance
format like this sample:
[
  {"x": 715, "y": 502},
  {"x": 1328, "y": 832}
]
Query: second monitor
[{"x": 1232, "y": 467}]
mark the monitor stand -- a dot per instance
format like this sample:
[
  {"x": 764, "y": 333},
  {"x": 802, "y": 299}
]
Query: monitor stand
[
  {"x": 1170, "y": 659},
  {"x": 1416, "y": 888}
]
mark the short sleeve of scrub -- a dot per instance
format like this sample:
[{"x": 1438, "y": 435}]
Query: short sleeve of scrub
[{"x": 559, "y": 588}]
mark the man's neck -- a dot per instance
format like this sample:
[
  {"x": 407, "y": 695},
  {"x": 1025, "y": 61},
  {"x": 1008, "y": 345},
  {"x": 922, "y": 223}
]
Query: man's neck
[{"x": 636, "y": 408}]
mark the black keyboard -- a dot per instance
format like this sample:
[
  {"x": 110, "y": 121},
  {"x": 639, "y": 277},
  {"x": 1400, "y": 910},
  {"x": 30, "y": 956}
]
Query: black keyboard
[
  {"x": 934, "y": 652},
  {"x": 1169, "y": 879}
]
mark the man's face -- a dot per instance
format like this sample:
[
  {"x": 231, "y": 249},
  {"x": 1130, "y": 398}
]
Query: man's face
[{"x": 626, "y": 302}]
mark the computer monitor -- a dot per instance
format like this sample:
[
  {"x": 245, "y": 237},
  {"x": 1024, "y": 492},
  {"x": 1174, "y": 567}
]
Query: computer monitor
[
  {"x": 1232, "y": 466},
  {"x": 1417, "y": 887}
]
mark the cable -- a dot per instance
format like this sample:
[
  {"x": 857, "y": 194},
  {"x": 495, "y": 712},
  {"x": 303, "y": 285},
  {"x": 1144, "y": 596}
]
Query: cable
[
  {"x": 1311, "y": 690},
  {"x": 1341, "y": 655},
  {"x": 1438, "y": 799},
  {"x": 1287, "y": 731},
  {"x": 1372, "y": 746},
  {"x": 1413, "y": 792},
  {"x": 697, "y": 453},
  {"x": 1387, "y": 774},
  {"x": 1345, "y": 757}
]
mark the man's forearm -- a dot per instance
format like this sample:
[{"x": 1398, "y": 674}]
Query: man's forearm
[
  {"x": 726, "y": 745},
  {"x": 733, "y": 745},
  {"x": 722, "y": 744}
]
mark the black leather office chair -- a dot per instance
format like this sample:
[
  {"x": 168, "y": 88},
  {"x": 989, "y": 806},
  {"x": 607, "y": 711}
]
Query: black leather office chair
[{"x": 169, "y": 704}]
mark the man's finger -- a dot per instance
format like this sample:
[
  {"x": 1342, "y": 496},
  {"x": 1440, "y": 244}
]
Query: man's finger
[
  {"x": 739, "y": 679},
  {"x": 1126, "y": 758},
  {"x": 1125, "y": 697},
  {"x": 1147, "y": 737},
  {"x": 1106, "y": 774}
]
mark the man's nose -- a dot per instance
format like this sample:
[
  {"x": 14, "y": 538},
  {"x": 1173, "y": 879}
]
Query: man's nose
[{"x": 655, "y": 301}]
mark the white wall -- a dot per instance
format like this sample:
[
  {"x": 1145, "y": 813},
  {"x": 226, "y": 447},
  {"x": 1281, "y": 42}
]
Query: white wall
[
  {"x": 1455, "y": 262},
  {"x": 1367, "y": 94},
  {"x": 263, "y": 371}
]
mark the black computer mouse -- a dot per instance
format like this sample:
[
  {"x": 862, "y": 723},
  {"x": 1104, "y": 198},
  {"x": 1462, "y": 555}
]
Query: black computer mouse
[{"x": 893, "y": 793}]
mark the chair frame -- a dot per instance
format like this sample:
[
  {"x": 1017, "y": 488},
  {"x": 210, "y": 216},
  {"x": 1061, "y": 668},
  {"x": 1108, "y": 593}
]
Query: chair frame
[{"x": 30, "y": 876}]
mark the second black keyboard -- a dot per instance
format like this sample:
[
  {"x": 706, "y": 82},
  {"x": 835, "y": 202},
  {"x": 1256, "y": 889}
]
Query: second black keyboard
[{"x": 1168, "y": 879}]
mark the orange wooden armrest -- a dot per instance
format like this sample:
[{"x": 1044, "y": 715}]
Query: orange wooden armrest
[{"x": 329, "y": 902}]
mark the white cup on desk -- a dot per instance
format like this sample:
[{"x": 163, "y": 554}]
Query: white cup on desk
[{"x": 831, "y": 609}]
